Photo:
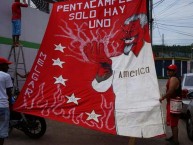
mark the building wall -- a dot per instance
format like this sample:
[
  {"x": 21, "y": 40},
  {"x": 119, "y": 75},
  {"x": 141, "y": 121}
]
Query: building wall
[
  {"x": 34, "y": 23},
  {"x": 179, "y": 55},
  {"x": 162, "y": 64}
]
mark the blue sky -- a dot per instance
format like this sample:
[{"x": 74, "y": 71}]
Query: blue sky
[{"x": 173, "y": 21}]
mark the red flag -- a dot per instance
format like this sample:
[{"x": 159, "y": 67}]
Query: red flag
[{"x": 95, "y": 69}]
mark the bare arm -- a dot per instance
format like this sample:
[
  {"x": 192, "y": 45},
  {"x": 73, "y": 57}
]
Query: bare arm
[
  {"x": 24, "y": 1},
  {"x": 9, "y": 92},
  {"x": 24, "y": 4},
  {"x": 174, "y": 84}
]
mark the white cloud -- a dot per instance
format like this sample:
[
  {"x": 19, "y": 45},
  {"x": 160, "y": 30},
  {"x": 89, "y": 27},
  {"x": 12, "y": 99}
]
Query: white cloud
[{"x": 174, "y": 20}]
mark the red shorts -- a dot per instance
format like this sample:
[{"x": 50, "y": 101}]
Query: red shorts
[{"x": 171, "y": 119}]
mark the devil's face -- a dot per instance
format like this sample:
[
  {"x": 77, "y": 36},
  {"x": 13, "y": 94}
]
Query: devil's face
[{"x": 132, "y": 37}]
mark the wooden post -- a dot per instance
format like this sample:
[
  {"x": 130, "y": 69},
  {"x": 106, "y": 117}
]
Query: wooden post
[
  {"x": 151, "y": 19},
  {"x": 131, "y": 141}
]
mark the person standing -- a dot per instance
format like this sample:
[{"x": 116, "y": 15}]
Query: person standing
[
  {"x": 173, "y": 91},
  {"x": 5, "y": 92},
  {"x": 16, "y": 20}
]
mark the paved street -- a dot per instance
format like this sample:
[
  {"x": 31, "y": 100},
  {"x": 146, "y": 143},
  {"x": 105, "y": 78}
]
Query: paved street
[{"x": 64, "y": 134}]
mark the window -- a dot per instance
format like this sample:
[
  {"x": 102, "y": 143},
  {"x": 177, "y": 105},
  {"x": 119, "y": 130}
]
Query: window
[{"x": 188, "y": 81}]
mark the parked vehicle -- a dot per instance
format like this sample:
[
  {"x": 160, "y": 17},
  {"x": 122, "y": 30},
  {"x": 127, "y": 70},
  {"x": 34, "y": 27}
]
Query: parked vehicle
[
  {"x": 187, "y": 82},
  {"x": 189, "y": 121},
  {"x": 32, "y": 126},
  {"x": 185, "y": 103},
  {"x": 187, "y": 87}
]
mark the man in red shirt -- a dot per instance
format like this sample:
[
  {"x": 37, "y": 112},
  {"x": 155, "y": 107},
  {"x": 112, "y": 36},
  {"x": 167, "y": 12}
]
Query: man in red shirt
[
  {"x": 173, "y": 90},
  {"x": 16, "y": 20}
]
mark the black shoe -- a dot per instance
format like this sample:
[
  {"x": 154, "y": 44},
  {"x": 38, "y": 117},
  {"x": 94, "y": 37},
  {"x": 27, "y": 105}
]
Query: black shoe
[
  {"x": 171, "y": 142},
  {"x": 169, "y": 139}
]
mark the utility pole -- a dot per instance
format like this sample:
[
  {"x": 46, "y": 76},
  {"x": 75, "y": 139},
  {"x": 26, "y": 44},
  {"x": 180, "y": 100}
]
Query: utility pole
[
  {"x": 163, "y": 43},
  {"x": 163, "y": 61},
  {"x": 151, "y": 19}
]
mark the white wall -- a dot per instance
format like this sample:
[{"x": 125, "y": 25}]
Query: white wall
[{"x": 34, "y": 23}]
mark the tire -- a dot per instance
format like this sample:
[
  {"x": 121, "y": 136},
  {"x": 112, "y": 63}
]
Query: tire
[
  {"x": 35, "y": 126},
  {"x": 189, "y": 127}
]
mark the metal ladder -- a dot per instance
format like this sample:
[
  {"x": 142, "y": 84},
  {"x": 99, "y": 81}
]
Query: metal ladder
[{"x": 16, "y": 55}]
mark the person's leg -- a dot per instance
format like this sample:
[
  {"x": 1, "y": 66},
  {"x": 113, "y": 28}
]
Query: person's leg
[
  {"x": 4, "y": 124},
  {"x": 175, "y": 134},
  {"x": 169, "y": 138},
  {"x": 168, "y": 120},
  {"x": 13, "y": 32},
  {"x": 174, "y": 128},
  {"x": 1, "y": 141},
  {"x": 17, "y": 40},
  {"x": 18, "y": 31},
  {"x": 13, "y": 38}
]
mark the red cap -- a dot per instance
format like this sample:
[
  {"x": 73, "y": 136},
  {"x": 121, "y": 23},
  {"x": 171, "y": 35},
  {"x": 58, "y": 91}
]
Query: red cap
[
  {"x": 172, "y": 67},
  {"x": 4, "y": 61}
]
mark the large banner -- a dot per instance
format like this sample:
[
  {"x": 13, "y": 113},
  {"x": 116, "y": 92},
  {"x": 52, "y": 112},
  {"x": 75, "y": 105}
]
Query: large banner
[{"x": 95, "y": 69}]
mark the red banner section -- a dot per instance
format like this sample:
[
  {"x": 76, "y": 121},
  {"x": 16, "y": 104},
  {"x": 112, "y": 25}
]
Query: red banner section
[{"x": 95, "y": 69}]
